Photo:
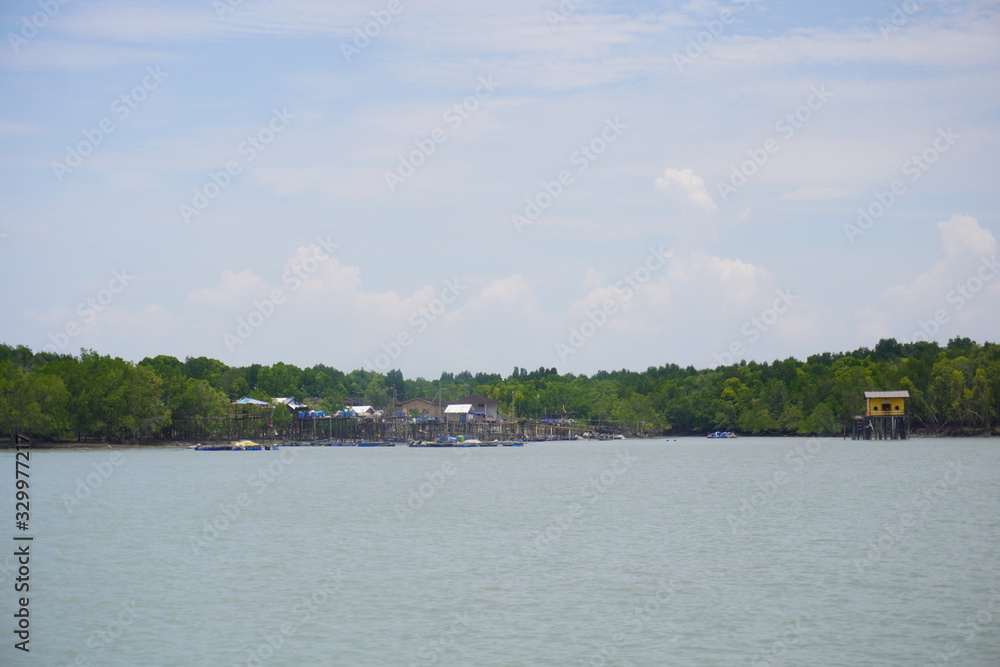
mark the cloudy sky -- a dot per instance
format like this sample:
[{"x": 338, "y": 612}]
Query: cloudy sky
[{"x": 447, "y": 185}]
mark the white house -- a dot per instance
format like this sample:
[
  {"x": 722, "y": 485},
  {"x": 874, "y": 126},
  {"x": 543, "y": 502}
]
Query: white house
[{"x": 459, "y": 412}]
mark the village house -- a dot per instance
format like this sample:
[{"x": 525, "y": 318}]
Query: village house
[
  {"x": 422, "y": 407},
  {"x": 472, "y": 408}
]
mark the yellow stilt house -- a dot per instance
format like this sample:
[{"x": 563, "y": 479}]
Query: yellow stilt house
[
  {"x": 885, "y": 417},
  {"x": 886, "y": 403}
]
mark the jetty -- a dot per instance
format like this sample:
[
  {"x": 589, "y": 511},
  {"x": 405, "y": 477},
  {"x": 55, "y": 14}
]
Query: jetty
[{"x": 473, "y": 417}]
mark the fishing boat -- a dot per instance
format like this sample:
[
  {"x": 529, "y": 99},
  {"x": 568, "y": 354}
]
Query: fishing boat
[{"x": 722, "y": 434}]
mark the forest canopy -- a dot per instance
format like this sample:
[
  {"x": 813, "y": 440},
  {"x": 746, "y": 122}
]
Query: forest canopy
[{"x": 953, "y": 389}]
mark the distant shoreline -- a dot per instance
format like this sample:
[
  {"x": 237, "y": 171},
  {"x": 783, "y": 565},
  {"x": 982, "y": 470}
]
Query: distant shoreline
[{"x": 174, "y": 444}]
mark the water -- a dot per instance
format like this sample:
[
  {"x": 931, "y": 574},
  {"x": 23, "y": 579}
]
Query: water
[{"x": 752, "y": 551}]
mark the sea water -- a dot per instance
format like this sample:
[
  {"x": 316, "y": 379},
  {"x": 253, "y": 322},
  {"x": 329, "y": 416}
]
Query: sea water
[{"x": 690, "y": 551}]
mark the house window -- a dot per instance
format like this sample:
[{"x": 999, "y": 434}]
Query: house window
[
  {"x": 874, "y": 408},
  {"x": 886, "y": 407}
]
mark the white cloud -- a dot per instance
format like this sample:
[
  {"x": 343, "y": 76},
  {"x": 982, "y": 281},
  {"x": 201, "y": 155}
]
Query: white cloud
[
  {"x": 958, "y": 295},
  {"x": 231, "y": 287},
  {"x": 962, "y": 235},
  {"x": 964, "y": 243},
  {"x": 354, "y": 120},
  {"x": 688, "y": 184}
]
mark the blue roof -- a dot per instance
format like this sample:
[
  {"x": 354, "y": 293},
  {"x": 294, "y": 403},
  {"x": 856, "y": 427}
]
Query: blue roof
[{"x": 246, "y": 400}]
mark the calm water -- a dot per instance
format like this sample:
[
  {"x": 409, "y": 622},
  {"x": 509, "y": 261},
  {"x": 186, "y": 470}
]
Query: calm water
[{"x": 691, "y": 552}]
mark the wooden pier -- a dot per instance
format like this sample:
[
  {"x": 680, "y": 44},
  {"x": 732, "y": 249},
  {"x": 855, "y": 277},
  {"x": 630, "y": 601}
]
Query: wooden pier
[
  {"x": 405, "y": 430},
  {"x": 892, "y": 427},
  {"x": 351, "y": 430}
]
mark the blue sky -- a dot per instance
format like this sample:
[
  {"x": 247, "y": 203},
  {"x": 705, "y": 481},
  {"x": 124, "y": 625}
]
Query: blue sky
[{"x": 585, "y": 185}]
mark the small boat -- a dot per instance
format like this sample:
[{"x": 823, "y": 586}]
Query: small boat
[{"x": 722, "y": 434}]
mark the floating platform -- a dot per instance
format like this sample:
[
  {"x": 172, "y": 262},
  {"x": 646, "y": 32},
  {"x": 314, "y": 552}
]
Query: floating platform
[
  {"x": 456, "y": 442},
  {"x": 238, "y": 446}
]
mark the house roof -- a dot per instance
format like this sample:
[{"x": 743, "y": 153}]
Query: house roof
[
  {"x": 246, "y": 400},
  {"x": 887, "y": 394},
  {"x": 361, "y": 409},
  {"x": 458, "y": 408},
  {"x": 477, "y": 399},
  {"x": 432, "y": 401},
  {"x": 290, "y": 402}
]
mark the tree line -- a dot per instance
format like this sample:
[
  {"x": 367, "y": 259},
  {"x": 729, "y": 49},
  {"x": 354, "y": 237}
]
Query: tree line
[{"x": 953, "y": 389}]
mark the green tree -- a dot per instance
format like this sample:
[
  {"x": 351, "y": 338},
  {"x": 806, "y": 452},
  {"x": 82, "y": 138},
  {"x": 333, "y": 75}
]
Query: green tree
[
  {"x": 791, "y": 418},
  {"x": 395, "y": 384},
  {"x": 31, "y": 403},
  {"x": 376, "y": 394},
  {"x": 821, "y": 421},
  {"x": 113, "y": 399},
  {"x": 199, "y": 400},
  {"x": 281, "y": 380},
  {"x": 757, "y": 420}
]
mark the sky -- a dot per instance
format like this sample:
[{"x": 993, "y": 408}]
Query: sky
[{"x": 447, "y": 186}]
